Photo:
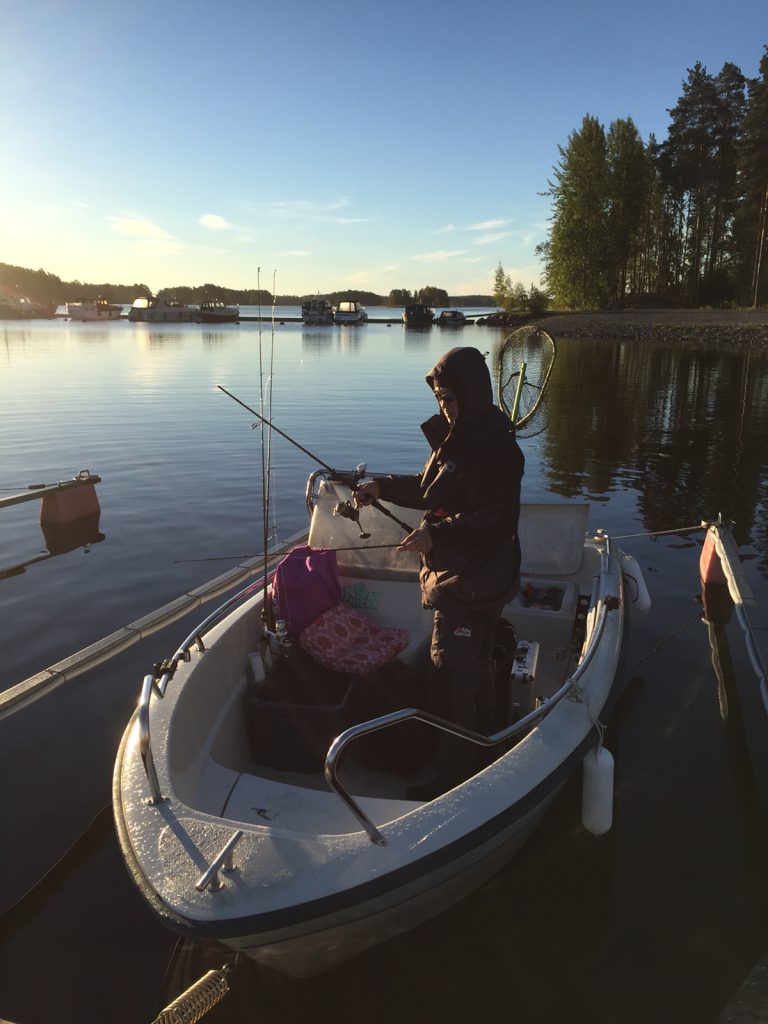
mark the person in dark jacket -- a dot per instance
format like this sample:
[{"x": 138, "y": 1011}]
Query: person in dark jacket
[{"x": 469, "y": 491}]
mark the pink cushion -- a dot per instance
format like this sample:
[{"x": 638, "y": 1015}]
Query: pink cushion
[{"x": 343, "y": 639}]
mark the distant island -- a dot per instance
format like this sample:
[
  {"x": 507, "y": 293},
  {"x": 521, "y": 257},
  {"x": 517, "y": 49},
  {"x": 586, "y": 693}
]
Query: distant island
[{"x": 42, "y": 286}]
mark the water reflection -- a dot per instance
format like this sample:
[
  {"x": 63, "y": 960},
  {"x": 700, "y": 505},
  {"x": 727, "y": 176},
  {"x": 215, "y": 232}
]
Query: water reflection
[
  {"x": 151, "y": 336},
  {"x": 93, "y": 335},
  {"x": 317, "y": 339},
  {"x": 60, "y": 539},
  {"x": 687, "y": 428},
  {"x": 214, "y": 339}
]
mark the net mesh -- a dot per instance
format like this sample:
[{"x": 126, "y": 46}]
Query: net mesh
[{"x": 524, "y": 364}]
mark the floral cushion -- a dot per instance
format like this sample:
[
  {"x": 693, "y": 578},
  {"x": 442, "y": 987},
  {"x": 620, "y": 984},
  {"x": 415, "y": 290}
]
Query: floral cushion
[{"x": 343, "y": 639}]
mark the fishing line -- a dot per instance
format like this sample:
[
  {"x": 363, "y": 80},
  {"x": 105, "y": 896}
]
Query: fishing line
[
  {"x": 287, "y": 551},
  {"x": 344, "y": 478}
]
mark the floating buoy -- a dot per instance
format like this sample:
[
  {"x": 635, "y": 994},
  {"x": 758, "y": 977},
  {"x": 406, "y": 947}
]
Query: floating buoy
[
  {"x": 597, "y": 791},
  {"x": 637, "y": 591},
  {"x": 710, "y": 566}
]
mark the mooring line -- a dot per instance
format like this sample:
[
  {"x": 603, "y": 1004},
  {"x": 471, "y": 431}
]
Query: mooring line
[{"x": 660, "y": 533}]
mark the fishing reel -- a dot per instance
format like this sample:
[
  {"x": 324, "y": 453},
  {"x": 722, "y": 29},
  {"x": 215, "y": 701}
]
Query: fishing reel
[{"x": 349, "y": 509}]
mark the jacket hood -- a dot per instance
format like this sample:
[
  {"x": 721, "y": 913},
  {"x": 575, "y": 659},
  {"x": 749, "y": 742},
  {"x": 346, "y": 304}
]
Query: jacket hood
[{"x": 465, "y": 372}]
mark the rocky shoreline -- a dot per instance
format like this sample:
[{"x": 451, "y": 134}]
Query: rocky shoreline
[
  {"x": 747, "y": 328},
  {"x": 724, "y": 327}
]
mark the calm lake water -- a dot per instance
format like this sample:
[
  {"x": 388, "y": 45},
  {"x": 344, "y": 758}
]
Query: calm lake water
[{"x": 659, "y": 920}]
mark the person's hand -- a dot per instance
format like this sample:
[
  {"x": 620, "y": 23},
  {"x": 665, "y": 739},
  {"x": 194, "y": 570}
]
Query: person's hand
[
  {"x": 420, "y": 540},
  {"x": 368, "y": 492}
]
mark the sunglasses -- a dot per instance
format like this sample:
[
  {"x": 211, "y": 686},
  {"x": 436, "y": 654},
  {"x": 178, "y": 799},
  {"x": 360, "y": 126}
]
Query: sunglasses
[{"x": 444, "y": 395}]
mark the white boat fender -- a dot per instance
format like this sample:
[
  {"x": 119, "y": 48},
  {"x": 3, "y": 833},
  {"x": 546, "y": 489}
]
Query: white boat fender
[
  {"x": 597, "y": 791},
  {"x": 637, "y": 590}
]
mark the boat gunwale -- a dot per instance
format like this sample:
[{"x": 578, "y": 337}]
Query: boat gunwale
[{"x": 377, "y": 888}]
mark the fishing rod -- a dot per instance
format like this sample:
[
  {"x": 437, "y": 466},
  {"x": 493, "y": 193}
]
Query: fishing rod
[{"x": 345, "y": 510}]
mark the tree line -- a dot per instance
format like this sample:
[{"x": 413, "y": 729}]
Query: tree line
[
  {"x": 41, "y": 286},
  {"x": 680, "y": 221}
]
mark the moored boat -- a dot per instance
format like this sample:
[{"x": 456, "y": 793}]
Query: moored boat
[
  {"x": 350, "y": 312},
  {"x": 151, "y": 309},
  {"x": 19, "y": 307},
  {"x": 214, "y": 311},
  {"x": 316, "y": 311},
  {"x": 261, "y": 798},
  {"x": 418, "y": 314},
  {"x": 451, "y": 318},
  {"x": 94, "y": 309}
]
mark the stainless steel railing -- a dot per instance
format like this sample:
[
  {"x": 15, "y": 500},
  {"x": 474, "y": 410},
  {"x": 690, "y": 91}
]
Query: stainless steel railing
[{"x": 604, "y": 606}]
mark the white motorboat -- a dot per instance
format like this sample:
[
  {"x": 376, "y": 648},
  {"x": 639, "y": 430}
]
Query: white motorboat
[
  {"x": 94, "y": 309},
  {"x": 350, "y": 312},
  {"x": 157, "y": 310},
  {"x": 316, "y": 311},
  {"x": 279, "y": 823}
]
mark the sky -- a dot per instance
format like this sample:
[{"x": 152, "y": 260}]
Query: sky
[{"x": 322, "y": 145}]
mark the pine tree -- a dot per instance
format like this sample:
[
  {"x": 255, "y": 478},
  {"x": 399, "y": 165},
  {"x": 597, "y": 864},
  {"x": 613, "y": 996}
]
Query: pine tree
[
  {"x": 627, "y": 189},
  {"x": 576, "y": 265},
  {"x": 751, "y": 222}
]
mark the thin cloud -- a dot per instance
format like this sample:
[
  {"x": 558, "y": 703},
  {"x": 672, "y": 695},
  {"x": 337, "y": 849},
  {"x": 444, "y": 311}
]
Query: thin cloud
[
  {"x": 139, "y": 228},
  {"x": 213, "y": 222},
  {"x": 294, "y": 208},
  {"x": 445, "y": 230},
  {"x": 487, "y": 239},
  {"x": 487, "y": 225},
  {"x": 438, "y": 256},
  {"x": 374, "y": 274}
]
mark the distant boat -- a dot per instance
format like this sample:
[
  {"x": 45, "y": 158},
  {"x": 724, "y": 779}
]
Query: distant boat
[
  {"x": 19, "y": 307},
  {"x": 148, "y": 309},
  {"x": 94, "y": 309},
  {"x": 214, "y": 311},
  {"x": 350, "y": 312},
  {"x": 317, "y": 311},
  {"x": 418, "y": 314},
  {"x": 451, "y": 318}
]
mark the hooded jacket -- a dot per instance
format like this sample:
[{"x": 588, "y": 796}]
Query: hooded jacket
[{"x": 469, "y": 490}]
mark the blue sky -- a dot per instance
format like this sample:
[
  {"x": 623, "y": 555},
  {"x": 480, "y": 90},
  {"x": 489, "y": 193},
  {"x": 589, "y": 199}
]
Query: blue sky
[{"x": 332, "y": 144}]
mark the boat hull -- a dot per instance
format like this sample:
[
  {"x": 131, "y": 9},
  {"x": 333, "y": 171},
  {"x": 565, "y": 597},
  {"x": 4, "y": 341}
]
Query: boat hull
[
  {"x": 312, "y": 885},
  {"x": 91, "y": 312},
  {"x": 213, "y": 318},
  {"x": 308, "y": 940}
]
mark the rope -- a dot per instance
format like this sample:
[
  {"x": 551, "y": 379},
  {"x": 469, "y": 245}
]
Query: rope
[
  {"x": 91, "y": 833},
  {"x": 580, "y": 696},
  {"x": 661, "y": 533},
  {"x": 660, "y": 644}
]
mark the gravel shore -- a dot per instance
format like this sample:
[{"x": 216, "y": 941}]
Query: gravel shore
[{"x": 726, "y": 327}]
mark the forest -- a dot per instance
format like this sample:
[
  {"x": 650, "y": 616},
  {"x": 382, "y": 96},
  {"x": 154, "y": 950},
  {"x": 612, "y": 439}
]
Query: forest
[
  {"x": 677, "y": 222},
  {"x": 41, "y": 286}
]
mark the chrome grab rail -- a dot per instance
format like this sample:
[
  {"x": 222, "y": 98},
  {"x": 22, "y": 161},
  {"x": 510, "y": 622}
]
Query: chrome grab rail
[
  {"x": 385, "y": 721},
  {"x": 145, "y": 746},
  {"x": 224, "y": 861}
]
